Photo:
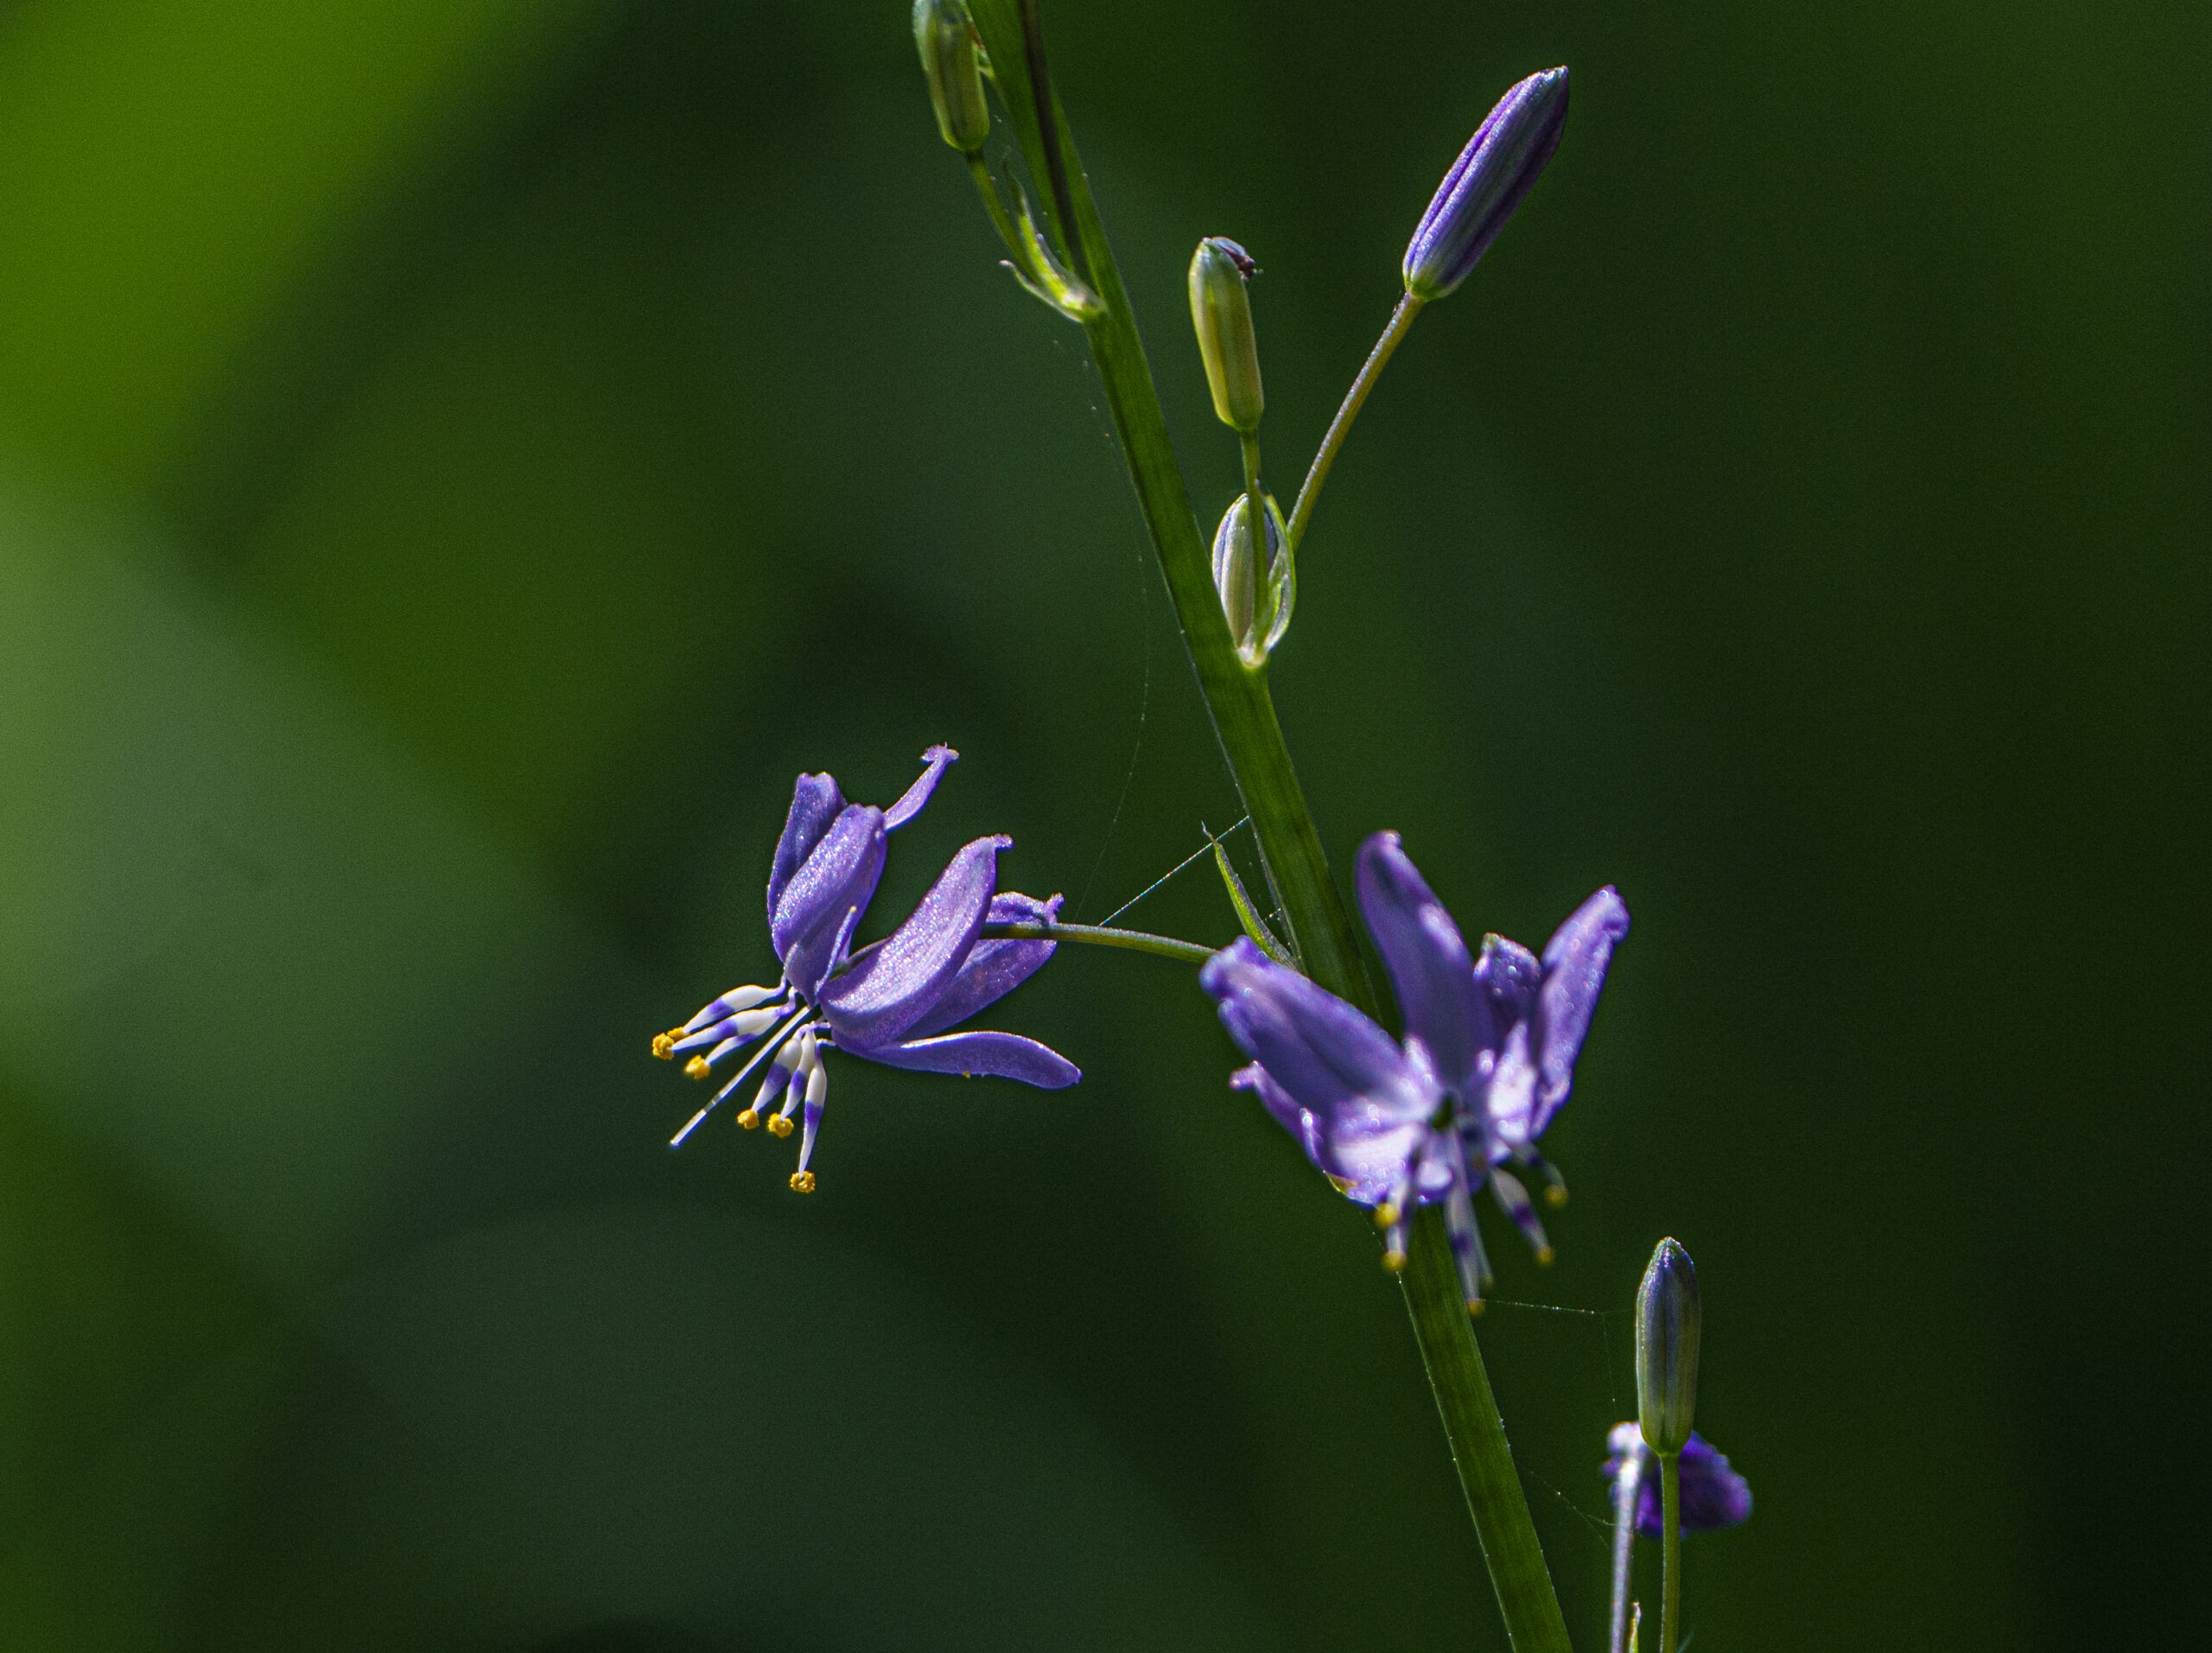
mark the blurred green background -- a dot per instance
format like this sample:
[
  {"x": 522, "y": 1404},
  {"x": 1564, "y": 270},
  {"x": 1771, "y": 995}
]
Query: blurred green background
[{"x": 458, "y": 462}]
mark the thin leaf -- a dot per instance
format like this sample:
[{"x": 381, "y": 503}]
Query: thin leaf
[{"x": 1246, "y": 914}]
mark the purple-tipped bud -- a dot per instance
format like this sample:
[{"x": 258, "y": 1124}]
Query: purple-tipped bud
[
  {"x": 946, "y": 41},
  {"x": 1221, "y": 311},
  {"x": 1668, "y": 1320},
  {"x": 1498, "y": 167}
]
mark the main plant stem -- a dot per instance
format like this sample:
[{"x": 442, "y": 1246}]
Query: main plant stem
[
  {"x": 1243, "y": 713},
  {"x": 1480, "y": 1449},
  {"x": 1251, "y": 740},
  {"x": 1670, "y": 1551}
]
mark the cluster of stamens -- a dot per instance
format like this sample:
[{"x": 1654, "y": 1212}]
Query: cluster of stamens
[
  {"x": 776, "y": 1016},
  {"x": 1512, "y": 1196}
]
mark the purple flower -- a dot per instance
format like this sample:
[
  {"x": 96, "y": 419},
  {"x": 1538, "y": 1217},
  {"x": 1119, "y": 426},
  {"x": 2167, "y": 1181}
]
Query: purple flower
[
  {"x": 1713, "y": 1495},
  {"x": 1487, "y": 1060},
  {"x": 1498, "y": 167},
  {"x": 893, "y": 1002}
]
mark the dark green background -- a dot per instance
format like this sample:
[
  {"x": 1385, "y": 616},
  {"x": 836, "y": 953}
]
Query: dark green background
[{"x": 463, "y": 457}]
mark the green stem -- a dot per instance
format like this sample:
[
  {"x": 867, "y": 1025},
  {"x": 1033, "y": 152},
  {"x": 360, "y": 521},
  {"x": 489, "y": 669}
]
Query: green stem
[
  {"x": 1251, "y": 445},
  {"x": 1048, "y": 131},
  {"x": 1340, "y": 427},
  {"x": 1243, "y": 713},
  {"x": 1627, "y": 1490},
  {"x": 1313, "y": 912},
  {"x": 1533, "y": 1621},
  {"x": 980, "y": 171},
  {"x": 1670, "y": 1551},
  {"x": 1136, "y": 941}
]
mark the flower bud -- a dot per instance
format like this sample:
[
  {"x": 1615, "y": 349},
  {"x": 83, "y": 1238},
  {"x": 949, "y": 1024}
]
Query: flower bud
[
  {"x": 1667, "y": 1320},
  {"x": 946, "y": 41},
  {"x": 1496, "y": 169},
  {"x": 1257, "y": 601},
  {"x": 1221, "y": 310}
]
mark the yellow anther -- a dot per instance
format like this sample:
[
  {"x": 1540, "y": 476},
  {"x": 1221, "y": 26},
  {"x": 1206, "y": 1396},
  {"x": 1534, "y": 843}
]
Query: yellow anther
[
  {"x": 696, "y": 1068},
  {"x": 664, "y": 1044},
  {"x": 1394, "y": 1261},
  {"x": 1342, "y": 1185},
  {"x": 1544, "y": 1255},
  {"x": 1555, "y": 1195},
  {"x": 1474, "y": 1306},
  {"x": 749, "y": 1121},
  {"x": 780, "y": 1125},
  {"x": 1385, "y": 1214},
  {"x": 802, "y": 1182}
]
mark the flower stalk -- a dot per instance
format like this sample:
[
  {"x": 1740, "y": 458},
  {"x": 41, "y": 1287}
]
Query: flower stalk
[
  {"x": 1136, "y": 941},
  {"x": 1401, "y": 318}
]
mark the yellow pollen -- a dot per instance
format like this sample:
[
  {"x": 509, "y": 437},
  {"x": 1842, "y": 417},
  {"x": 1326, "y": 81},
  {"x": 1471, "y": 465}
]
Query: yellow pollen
[
  {"x": 664, "y": 1044},
  {"x": 802, "y": 1182},
  {"x": 749, "y": 1121},
  {"x": 1474, "y": 1306},
  {"x": 1555, "y": 1195},
  {"x": 779, "y": 1125},
  {"x": 1394, "y": 1261},
  {"x": 1385, "y": 1214},
  {"x": 1544, "y": 1255}
]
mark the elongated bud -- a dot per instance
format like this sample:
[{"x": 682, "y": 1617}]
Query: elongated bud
[
  {"x": 1496, "y": 169},
  {"x": 1256, "y": 599},
  {"x": 946, "y": 41},
  {"x": 1221, "y": 310},
  {"x": 1667, "y": 1321}
]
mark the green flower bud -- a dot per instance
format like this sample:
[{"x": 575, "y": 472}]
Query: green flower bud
[
  {"x": 1256, "y": 602},
  {"x": 946, "y": 41},
  {"x": 1221, "y": 310},
  {"x": 1667, "y": 1323}
]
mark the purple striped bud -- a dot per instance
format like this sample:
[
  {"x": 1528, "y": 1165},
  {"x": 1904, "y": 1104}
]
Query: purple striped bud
[
  {"x": 1668, "y": 1320},
  {"x": 1498, "y": 167}
]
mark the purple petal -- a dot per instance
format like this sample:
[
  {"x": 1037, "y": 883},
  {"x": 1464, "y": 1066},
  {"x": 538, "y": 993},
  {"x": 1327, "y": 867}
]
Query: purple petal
[
  {"x": 910, "y": 803},
  {"x": 1510, "y": 1102},
  {"x": 1304, "y": 1127},
  {"x": 1428, "y": 962},
  {"x": 825, "y": 897},
  {"x": 1575, "y": 971},
  {"x": 1508, "y": 976},
  {"x": 993, "y": 969},
  {"x": 1369, "y": 1161},
  {"x": 1320, "y": 1049},
  {"x": 815, "y": 802},
  {"x": 1713, "y": 1495},
  {"x": 998, "y": 1055},
  {"x": 893, "y": 987}
]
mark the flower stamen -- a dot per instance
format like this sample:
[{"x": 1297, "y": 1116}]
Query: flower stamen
[{"x": 736, "y": 1079}]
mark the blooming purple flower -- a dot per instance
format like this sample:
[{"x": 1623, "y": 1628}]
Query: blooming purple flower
[
  {"x": 1713, "y": 1495},
  {"x": 1487, "y": 1060},
  {"x": 1498, "y": 167},
  {"x": 893, "y": 1001}
]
